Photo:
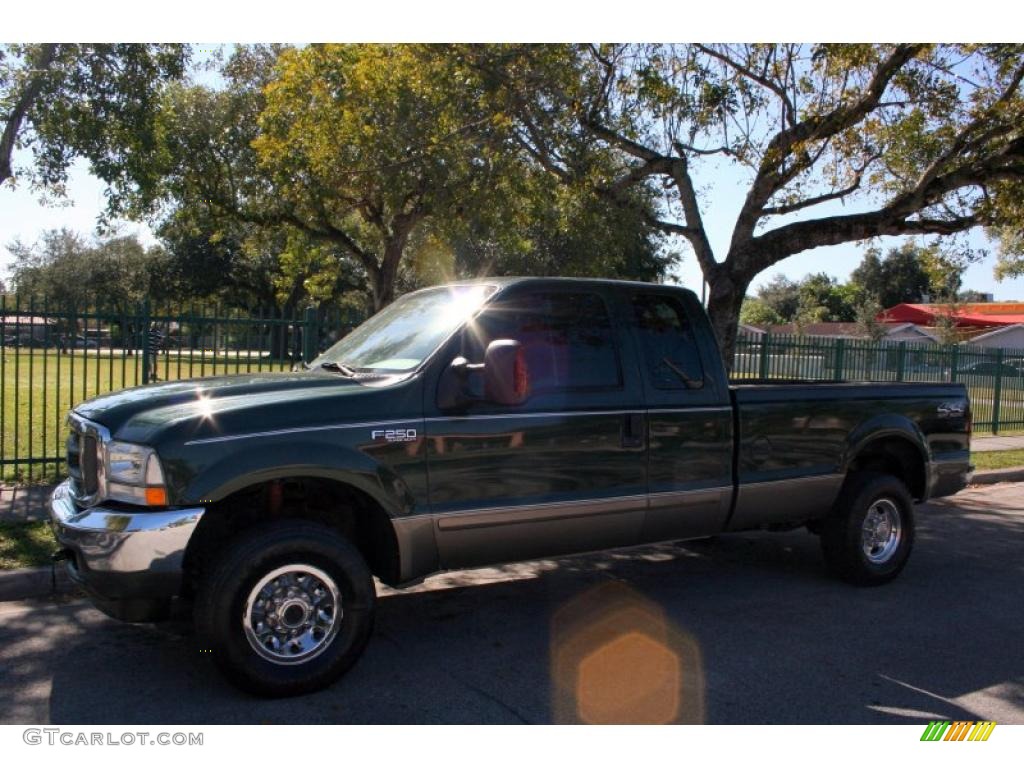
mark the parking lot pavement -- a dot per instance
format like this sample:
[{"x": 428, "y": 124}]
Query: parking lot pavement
[{"x": 771, "y": 639}]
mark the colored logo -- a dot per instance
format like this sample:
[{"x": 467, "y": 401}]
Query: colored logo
[{"x": 960, "y": 730}]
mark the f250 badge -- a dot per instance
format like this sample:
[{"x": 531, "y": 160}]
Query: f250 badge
[{"x": 394, "y": 435}]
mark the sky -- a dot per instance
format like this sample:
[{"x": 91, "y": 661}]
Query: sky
[{"x": 24, "y": 217}]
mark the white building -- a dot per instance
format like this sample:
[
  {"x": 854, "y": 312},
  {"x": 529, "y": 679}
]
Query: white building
[{"x": 1007, "y": 337}]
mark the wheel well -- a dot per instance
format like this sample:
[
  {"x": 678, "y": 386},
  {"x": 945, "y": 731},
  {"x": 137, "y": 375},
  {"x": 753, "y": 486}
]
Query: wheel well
[
  {"x": 342, "y": 507},
  {"x": 895, "y": 456}
]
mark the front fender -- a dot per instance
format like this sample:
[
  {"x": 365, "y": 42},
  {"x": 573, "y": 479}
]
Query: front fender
[{"x": 258, "y": 463}]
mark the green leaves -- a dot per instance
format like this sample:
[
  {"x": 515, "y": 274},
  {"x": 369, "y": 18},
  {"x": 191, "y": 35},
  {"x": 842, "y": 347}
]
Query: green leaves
[{"x": 97, "y": 101}]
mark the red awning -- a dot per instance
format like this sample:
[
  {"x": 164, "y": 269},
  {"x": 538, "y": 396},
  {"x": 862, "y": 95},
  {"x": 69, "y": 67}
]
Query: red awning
[{"x": 968, "y": 316}]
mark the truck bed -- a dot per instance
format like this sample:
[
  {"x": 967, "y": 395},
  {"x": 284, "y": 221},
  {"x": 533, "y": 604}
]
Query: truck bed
[{"x": 794, "y": 438}]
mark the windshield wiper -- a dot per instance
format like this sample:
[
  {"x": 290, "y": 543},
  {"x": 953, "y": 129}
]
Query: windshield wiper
[
  {"x": 344, "y": 370},
  {"x": 690, "y": 383}
]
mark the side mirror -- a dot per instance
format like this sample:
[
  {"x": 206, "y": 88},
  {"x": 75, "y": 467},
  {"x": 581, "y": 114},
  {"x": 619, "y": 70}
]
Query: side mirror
[
  {"x": 506, "y": 380},
  {"x": 505, "y": 377}
]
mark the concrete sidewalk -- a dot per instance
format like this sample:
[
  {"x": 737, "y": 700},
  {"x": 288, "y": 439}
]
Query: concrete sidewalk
[
  {"x": 997, "y": 443},
  {"x": 20, "y": 504}
]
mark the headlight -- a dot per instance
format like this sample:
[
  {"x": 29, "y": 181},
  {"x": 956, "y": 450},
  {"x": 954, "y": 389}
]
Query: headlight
[{"x": 134, "y": 474}]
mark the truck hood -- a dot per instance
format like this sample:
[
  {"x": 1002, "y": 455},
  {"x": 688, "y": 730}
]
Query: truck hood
[{"x": 227, "y": 404}]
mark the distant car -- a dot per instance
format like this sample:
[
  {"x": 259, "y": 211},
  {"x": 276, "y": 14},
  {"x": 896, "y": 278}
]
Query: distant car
[
  {"x": 26, "y": 340},
  {"x": 991, "y": 369},
  {"x": 80, "y": 342},
  {"x": 927, "y": 369}
]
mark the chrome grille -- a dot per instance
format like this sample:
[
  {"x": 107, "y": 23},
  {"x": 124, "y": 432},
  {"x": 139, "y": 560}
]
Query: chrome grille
[
  {"x": 74, "y": 450},
  {"x": 83, "y": 459}
]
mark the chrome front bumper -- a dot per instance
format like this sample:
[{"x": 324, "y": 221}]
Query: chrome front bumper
[{"x": 120, "y": 556}]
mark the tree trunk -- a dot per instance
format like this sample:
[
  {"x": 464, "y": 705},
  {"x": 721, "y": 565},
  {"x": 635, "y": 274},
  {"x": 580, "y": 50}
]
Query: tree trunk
[
  {"x": 382, "y": 289},
  {"x": 382, "y": 281},
  {"x": 725, "y": 298}
]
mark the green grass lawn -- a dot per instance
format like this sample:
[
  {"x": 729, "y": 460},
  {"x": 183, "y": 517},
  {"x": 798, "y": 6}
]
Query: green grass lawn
[
  {"x": 38, "y": 387},
  {"x": 25, "y": 545},
  {"x": 998, "y": 459}
]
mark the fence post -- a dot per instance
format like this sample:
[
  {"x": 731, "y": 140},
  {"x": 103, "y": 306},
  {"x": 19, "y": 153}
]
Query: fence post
[
  {"x": 309, "y": 334},
  {"x": 954, "y": 361},
  {"x": 997, "y": 391},
  {"x": 766, "y": 341},
  {"x": 901, "y": 360},
  {"x": 840, "y": 362},
  {"x": 143, "y": 337}
]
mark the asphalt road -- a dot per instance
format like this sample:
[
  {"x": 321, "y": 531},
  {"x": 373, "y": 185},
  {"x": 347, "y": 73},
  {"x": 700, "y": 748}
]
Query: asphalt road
[{"x": 749, "y": 628}]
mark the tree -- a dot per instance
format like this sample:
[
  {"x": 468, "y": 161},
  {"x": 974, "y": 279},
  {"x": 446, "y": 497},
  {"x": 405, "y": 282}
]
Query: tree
[
  {"x": 867, "y": 319},
  {"x": 390, "y": 167},
  {"x": 355, "y": 146},
  {"x": 806, "y": 314},
  {"x": 758, "y": 313},
  {"x": 71, "y": 271},
  {"x": 566, "y": 231},
  {"x": 837, "y": 143},
  {"x": 782, "y": 296},
  {"x": 96, "y": 101},
  {"x": 897, "y": 277},
  {"x": 837, "y": 303},
  {"x": 820, "y": 296},
  {"x": 975, "y": 297}
]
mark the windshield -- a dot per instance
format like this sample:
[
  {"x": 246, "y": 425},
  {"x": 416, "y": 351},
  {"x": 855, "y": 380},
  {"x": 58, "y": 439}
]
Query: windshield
[{"x": 403, "y": 334}]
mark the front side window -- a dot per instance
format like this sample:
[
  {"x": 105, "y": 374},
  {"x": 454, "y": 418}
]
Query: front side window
[
  {"x": 567, "y": 339},
  {"x": 403, "y": 334},
  {"x": 670, "y": 355}
]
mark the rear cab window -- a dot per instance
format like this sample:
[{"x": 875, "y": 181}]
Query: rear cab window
[{"x": 667, "y": 343}]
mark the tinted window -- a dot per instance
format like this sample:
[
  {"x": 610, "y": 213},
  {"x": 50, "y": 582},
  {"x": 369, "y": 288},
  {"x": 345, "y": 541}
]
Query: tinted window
[
  {"x": 567, "y": 339},
  {"x": 667, "y": 343}
]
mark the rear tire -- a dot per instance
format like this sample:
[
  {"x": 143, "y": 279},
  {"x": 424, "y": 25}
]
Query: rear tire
[
  {"x": 287, "y": 608},
  {"x": 868, "y": 537}
]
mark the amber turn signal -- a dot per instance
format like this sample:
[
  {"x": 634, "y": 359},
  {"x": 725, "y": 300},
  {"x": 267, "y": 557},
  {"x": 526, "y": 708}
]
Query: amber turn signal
[{"x": 156, "y": 497}]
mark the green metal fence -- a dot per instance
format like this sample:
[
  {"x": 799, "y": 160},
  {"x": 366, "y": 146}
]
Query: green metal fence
[
  {"x": 994, "y": 377},
  {"x": 54, "y": 357}
]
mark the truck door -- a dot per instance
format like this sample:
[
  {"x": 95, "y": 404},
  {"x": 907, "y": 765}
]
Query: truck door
[
  {"x": 689, "y": 417},
  {"x": 564, "y": 471}
]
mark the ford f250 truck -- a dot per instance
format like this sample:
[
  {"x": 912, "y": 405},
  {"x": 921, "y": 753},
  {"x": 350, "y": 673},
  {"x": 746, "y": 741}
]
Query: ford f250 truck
[{"x": 469, "y": 424}]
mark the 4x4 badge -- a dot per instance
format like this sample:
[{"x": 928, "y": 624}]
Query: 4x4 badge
[{"x": 950, "y": 410}]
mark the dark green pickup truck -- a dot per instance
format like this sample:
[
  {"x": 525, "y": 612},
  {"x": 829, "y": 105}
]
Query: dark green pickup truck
[{"x": 470, "y": 424}]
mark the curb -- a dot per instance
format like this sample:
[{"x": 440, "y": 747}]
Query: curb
[
  {"x": 990, "y": 476},
  {"x": 25, "y": 583}
]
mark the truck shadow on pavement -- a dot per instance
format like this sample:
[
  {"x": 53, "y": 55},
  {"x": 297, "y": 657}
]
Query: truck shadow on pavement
[{"x": 775, "y": 640}]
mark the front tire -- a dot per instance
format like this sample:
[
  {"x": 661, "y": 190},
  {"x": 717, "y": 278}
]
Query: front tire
[
  {"x": 868, "y": 537},
  {"x": 287, "y": 608}
]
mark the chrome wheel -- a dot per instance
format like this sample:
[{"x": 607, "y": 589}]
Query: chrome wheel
[
  {"x": 882, "y": 531},
  {"x": 292, "y": 614}
]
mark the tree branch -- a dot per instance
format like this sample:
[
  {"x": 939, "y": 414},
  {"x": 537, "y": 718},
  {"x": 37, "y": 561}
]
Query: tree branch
[
  {"x": 40, "y": 66},
  {"x": 774, "y": 246},
  {"x": 773, "y": 174},
  {"x": 788, "y": 111}
]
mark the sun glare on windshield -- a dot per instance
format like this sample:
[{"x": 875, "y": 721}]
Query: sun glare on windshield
[
  {"x": 461, "y": 304},
  {"x": 402, "y": 335}
]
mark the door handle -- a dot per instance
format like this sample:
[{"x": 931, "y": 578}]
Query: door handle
[{"x": 633, "y": 430}]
